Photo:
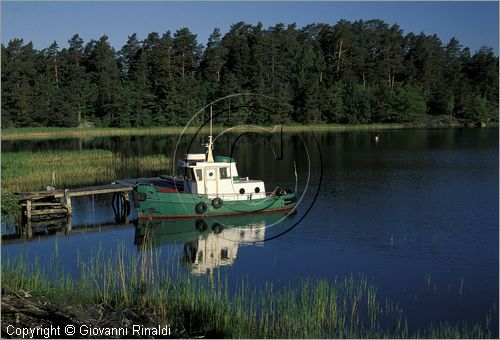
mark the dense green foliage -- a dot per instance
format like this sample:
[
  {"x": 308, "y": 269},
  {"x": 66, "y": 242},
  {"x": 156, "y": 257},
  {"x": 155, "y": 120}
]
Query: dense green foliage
[{"x": 350, "y": 72}]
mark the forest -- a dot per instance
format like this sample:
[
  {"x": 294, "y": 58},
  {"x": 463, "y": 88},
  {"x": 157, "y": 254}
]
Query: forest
[{"x": 347, "y": 73}]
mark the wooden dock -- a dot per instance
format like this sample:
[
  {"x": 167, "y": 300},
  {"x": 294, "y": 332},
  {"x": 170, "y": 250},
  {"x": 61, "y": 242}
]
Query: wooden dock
[{"x": 53, "y": 204}]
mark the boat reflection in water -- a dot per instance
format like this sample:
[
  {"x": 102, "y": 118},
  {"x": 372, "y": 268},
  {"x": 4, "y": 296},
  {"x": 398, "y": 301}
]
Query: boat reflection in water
[{"x": 208, "y": 243}]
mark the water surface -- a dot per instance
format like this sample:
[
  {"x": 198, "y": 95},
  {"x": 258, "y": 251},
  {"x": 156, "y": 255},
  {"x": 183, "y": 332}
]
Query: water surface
[{"x": 416, "y": 213}]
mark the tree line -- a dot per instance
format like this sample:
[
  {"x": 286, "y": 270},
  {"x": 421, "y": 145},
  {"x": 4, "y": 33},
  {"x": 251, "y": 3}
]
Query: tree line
[{"x": 350, "y": 72}]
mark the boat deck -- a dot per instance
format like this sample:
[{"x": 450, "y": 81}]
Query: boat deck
[{"x": 241, "y": 181}]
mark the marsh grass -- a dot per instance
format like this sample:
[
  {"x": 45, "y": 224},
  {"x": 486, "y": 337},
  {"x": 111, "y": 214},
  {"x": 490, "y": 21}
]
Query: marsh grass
[
  {"x": 46, "y": 133},
  {"x": 343, "y": 308},
  {"x": 29, "y": 171}
]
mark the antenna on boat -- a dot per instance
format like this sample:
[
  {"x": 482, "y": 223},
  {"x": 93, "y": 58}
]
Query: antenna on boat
[
  {"x": 210, "y": 144},
  {"x": 296, "y": 181}
]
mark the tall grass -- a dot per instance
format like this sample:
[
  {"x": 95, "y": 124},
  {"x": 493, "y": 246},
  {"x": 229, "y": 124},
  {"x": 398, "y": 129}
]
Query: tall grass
[
  {"x": 342, "y": 308},
  {"x": 45, "y": 133},
  {"x": 29, "y": 171}
]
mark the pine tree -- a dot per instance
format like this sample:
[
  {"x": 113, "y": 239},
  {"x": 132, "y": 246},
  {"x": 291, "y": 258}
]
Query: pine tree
[
  {"x": 104, "y": 74},
  {"x": 76, "y": 90},
  {"x": 18, "y": 79},
  {"x": 185, "y": 56}
]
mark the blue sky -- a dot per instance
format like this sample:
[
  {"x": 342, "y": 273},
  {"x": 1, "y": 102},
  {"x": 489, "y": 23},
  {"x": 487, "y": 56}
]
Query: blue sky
[{"x": 474, "y": 23}]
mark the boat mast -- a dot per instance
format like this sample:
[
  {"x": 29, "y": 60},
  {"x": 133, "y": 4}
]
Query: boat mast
[{"x": 210, "y": 144}]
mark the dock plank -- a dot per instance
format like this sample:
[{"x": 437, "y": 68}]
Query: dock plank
[
  {"x": 48, "y": 212},
  {"x": 98, "y": 190},
  {"x": 123, "y": 186}
]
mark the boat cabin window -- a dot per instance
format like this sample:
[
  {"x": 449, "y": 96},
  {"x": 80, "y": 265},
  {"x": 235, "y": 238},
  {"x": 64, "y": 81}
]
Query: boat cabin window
[
  {"x": 199, "y": 175},
  {"x": 223, "y": 173}
]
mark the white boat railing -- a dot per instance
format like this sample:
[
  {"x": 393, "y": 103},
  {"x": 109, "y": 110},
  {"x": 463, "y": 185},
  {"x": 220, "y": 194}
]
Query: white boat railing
[{"x": 237, "y": 196}]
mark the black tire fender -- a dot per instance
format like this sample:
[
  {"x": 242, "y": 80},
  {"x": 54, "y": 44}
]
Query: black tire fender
[
  {"x": 217, "y": 203},
  {"x": 201, "y": 208}
]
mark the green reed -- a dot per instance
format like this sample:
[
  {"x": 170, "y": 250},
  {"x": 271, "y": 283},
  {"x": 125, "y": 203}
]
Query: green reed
[
  {"x": 342, "y": 308},
  {"x": 28, "y": 171},
  {"x": 47, "y": 133}
]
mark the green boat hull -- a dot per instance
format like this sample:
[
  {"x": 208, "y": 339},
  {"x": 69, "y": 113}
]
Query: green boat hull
[{"x": 153, "y": 203}]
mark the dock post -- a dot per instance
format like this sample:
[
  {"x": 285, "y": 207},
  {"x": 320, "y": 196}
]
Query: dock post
[
  {"x": 121, "y": 206},
  {"x": 126, "y": 207},
  {"x": 126, "y": 196},
  {"x": 29, "y": 230},
  {"x": 67, "y": 202},
  {"x": 28, "y": 211},
  {"x": 114, "y": 204}
]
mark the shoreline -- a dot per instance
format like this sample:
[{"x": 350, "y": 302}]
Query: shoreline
[
  {"x": 436, "y": 122},
  {"x": 42, "y": 133},
  {"x": 47, "y": 305}
]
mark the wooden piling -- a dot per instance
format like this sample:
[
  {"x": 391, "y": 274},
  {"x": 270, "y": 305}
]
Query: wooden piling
[
  {"x": 29, "y": 230},
  {"x": 28, "y": 210},
  {"x": 126, "y": 207},
  {"x": 67, "y": 202}
]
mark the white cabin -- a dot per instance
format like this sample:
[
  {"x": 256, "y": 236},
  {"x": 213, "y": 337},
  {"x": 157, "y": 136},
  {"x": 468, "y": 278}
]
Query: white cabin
[{"x": 218, "y": 177}]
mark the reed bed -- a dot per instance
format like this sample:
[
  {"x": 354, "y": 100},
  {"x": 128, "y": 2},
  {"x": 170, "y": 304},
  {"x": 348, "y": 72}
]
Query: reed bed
[
  {"x": 46, "y": 133},
  {"x": 342, "y": 308},
  {"x": 29, "y": 171}
]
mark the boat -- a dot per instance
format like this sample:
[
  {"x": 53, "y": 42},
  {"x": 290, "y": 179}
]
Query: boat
[{"x": 208, "y": 186}]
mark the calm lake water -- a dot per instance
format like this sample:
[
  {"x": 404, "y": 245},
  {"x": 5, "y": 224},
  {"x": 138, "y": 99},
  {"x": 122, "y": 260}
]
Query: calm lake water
[{"x": 415, "y": 213}]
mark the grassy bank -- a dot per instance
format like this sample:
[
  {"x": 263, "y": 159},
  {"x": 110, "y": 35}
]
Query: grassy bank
[
  {"x": 45, "y": 133},
  {"x": 31, "y": 171},
  {"x": 28, "y": 171},
  {"x": 342, "y": 308}
]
